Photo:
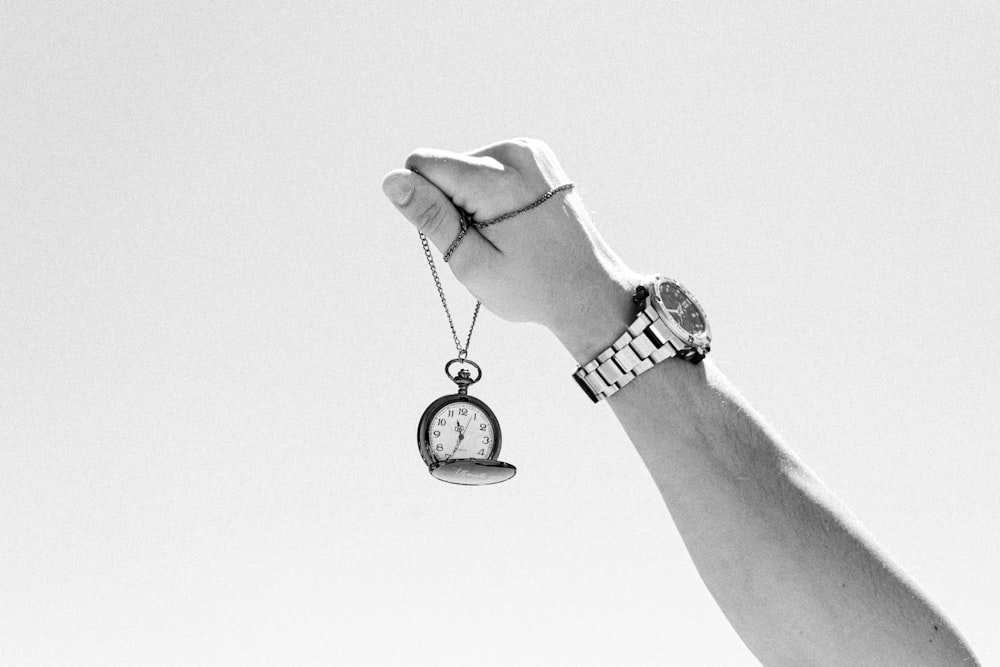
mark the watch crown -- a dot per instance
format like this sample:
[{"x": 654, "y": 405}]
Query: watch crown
[
  {"x": 641, "y": 293},
  {"x": 463, "y": 380}
]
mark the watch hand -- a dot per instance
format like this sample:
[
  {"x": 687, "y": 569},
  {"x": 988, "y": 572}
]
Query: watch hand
[
  {"x": 461, "y": 436},
  {"x": 457, "y": 445}
]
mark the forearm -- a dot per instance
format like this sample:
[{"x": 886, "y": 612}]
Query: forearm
[{"x": 794, "y": 573}]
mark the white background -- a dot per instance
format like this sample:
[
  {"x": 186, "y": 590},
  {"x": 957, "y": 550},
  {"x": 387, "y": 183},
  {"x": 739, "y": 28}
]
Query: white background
[{"x": 217, "y": 337}]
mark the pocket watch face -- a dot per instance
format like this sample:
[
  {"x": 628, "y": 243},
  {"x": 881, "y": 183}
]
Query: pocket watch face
[
  {"x": 461, "y": 430},
  {"x": 682, "y": 308}
]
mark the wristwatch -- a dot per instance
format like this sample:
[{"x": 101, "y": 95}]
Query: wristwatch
[{"x": 670, "y": 323}]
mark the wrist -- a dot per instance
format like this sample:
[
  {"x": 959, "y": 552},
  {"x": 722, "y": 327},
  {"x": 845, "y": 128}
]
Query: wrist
[{"x": 601, "y": 319}]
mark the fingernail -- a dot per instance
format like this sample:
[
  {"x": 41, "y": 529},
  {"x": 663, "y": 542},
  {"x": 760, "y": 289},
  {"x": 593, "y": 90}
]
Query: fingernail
[{"x": 398, "y": 188}]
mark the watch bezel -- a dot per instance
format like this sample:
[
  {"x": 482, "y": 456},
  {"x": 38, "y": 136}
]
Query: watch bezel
[{"x": 701, "y": 341}]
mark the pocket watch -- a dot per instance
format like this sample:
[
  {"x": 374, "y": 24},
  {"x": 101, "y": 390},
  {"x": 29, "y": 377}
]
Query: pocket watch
[{"x": 459, "y": 436}]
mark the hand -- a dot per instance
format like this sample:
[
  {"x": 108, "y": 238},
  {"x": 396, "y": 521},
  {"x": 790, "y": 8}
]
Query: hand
[
  {"x": 461, "y": 434},
  {"x": 547, "y": 265}
]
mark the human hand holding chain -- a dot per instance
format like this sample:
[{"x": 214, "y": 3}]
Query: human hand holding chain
[{"x": 547, "y": 264}]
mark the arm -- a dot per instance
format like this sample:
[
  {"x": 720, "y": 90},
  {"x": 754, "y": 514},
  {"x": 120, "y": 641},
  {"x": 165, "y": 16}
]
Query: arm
[
  {"x": 791, "y": 569},
  {"x": 794, "y": 573}
]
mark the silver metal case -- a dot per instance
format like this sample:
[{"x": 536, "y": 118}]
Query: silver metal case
[{"x": 690, "y": 346}]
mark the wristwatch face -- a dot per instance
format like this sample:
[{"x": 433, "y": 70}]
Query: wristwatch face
[{"x": 682, "y": 310}]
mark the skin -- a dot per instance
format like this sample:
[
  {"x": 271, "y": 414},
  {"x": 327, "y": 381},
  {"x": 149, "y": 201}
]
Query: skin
[{"x": 795, "y": 574}]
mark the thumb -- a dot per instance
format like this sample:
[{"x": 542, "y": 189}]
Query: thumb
[{"x": 429, "y": 209}]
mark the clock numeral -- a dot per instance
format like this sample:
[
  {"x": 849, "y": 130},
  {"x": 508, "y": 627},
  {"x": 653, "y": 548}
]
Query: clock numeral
[
  {"x": 441, "y": 422},
  {"x": 437, "y": 434},
  {"x": 451, "y": 413},
  {"x": 463, "y": 411},
  {"x": 486, "y": 440},
  {"x": 482, "y": 427},
  {"x": 482, "y": 452},
  {"x": 440, "y": 448}
]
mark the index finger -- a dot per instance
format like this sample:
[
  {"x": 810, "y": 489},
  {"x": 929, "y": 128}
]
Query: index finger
[{"x": 470, "y": 181}]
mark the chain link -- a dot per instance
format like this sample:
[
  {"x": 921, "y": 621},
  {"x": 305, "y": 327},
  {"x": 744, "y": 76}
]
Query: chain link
[
  {"x": 538, "y": 202},
  {"x": 463, "y": 352}
]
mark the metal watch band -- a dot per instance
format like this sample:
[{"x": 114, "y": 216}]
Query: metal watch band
[{"x": 647, "y": 342}]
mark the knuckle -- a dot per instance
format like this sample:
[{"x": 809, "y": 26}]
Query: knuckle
[
  {"x": 416, "y": 156},
  {"x": 532, "y": 146},
  {"x": 525, "y": 153},
  {"x": 522, "y": 148},
  {"x": 511, "y": 153},
  {"x": 430, "y": 217}
]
